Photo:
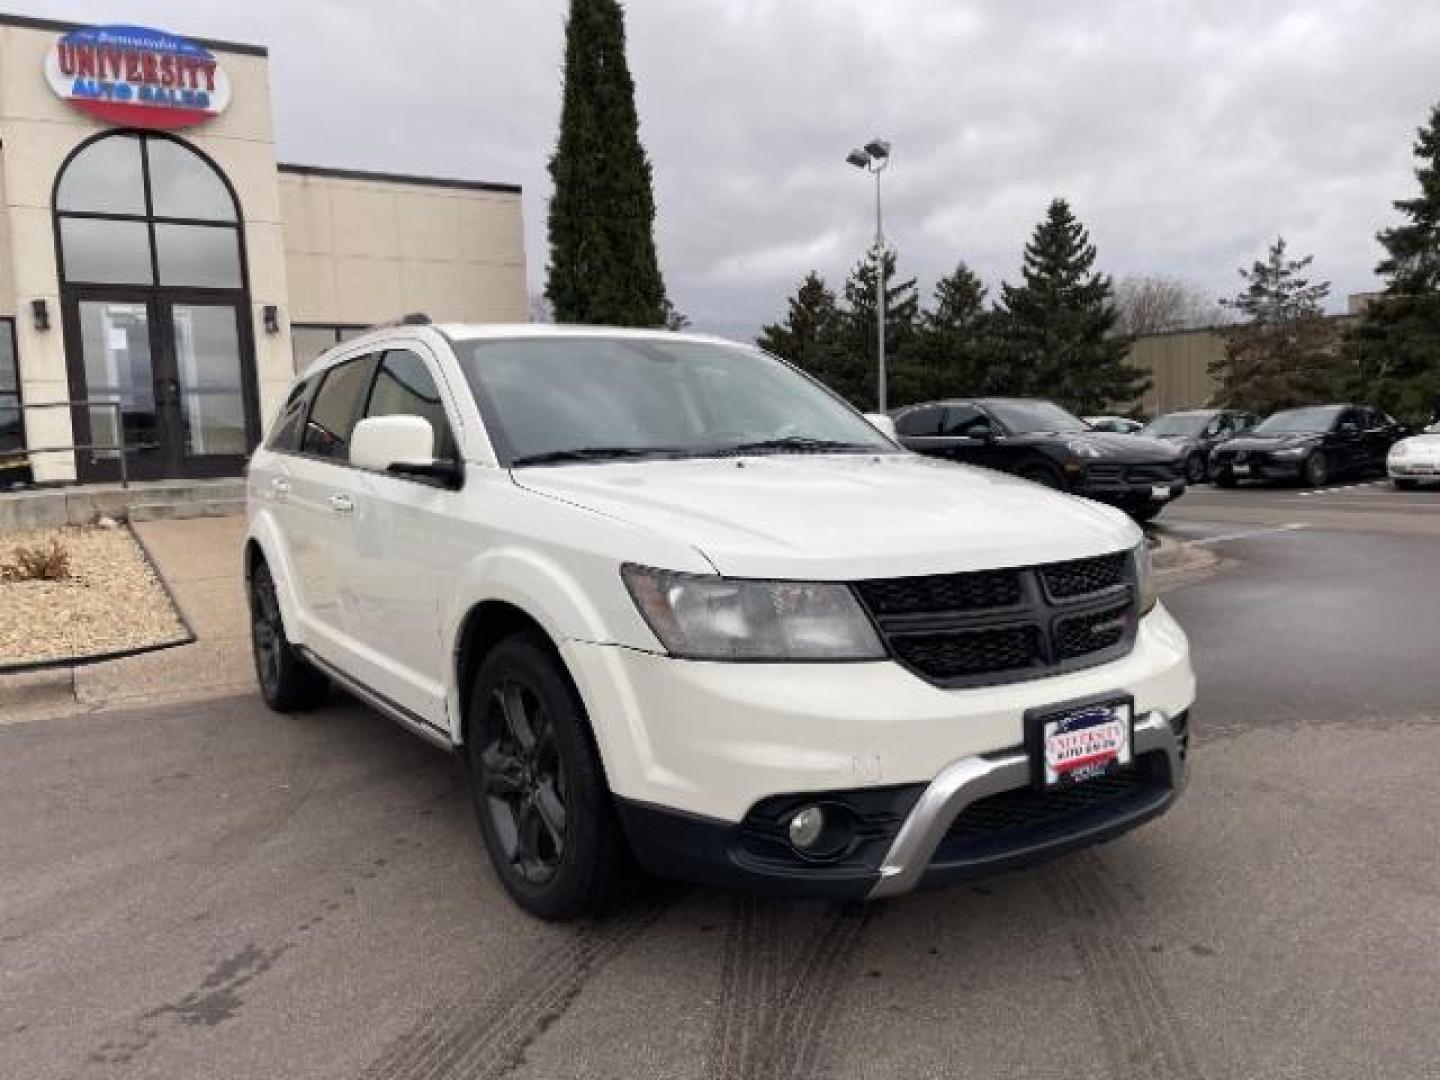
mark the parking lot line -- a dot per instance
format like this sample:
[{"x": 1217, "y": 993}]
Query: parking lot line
[{"x": 1247, "y": 534}]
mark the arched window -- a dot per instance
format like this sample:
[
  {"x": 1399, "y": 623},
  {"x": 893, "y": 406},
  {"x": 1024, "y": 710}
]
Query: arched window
[{"x": 140, "y": 209}]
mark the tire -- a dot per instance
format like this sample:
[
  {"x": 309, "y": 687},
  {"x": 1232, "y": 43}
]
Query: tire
[
  {"x": 1405, "y": 485},
  {"x": 538, "y": 786},
  {"x": 1195, "y": 469},
  {"x": 1145, "y": 512},
  {"x": 1316, "y": 470},
  {"x": 1044, "y": 475},
  {"x": 287, "y": 682},
  {"x": 1224, "y": 478}
]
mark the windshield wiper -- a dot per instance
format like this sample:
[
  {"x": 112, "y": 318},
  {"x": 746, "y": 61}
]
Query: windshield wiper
[
  {"x": 596, "y": 453},
  {"x": 799, "y": 443}
]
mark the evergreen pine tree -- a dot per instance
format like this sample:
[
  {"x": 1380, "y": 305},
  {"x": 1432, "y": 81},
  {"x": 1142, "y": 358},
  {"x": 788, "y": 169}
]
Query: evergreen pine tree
[
  {"x": 1283, "y": 352},
  {"x": 947, "y": 358},
  {"x": 1394, "y": 351},
  {"x": 810, "y": 335},
  {"x": 1055, "y": 338},
  {"x": 603, "y": 267},
  {"x": 859, "y": 362}
]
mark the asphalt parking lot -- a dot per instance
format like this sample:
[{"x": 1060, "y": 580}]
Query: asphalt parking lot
[{"x": 214, "y": 891}]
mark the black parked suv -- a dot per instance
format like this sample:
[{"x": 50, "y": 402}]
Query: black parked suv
[
  {"x": 1042, "y": 442},
  {"x": 1311, "y": 445},
  {"x": 1196, "y": 432}
]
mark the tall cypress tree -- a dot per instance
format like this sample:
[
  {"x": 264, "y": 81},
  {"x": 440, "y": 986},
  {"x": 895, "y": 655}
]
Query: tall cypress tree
[
  {"x": 1395, "y": 350},
  {"x": 1056, "y": 338},
  {"x": 603, "y": 267}
]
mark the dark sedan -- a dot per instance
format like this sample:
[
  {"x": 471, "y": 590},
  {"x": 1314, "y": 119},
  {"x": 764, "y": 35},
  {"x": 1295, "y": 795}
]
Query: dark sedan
[
  {"x": 1311, "y": 445},
  {"x": 1196, "y": 433},
  {"x": 1042, "y": 442}
]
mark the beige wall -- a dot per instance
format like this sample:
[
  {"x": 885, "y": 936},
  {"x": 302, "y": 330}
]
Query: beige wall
[
  {"x": 1178, "y": 365},
  {"x": 363, "y": 250}
]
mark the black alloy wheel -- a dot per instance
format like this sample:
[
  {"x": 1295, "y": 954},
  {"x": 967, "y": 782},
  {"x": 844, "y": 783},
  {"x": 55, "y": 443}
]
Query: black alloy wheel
[
  {"x": 287, "y": 681},
  {"x": 538, "y": 785},
  {"x": 524, "y": 782},
  {"x": 1316, "y": 470}
]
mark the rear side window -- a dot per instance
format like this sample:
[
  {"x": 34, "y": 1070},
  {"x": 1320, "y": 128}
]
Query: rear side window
[
  {"x": 920, "y": 422},
  {"x": 285, "y": 435},
  {"x": 965, "y": 421},
  {"x": 405, "y": 387},
  {"x": 336, "y": 408}
]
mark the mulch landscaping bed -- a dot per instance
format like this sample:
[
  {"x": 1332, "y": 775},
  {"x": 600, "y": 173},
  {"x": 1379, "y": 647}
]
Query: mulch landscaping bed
[{"x": 111, "y": 602}]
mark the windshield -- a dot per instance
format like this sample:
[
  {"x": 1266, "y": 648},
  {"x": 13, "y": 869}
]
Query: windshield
[
  {"x": 1297, "y": 420},
  {"x": 1023, "y": 417},
  {"x": 1177, "y": 424},
  {"x": 562, "y": 399}
]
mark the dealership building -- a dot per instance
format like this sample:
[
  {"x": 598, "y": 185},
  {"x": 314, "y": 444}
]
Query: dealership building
[{"x": 162, "y": 275}]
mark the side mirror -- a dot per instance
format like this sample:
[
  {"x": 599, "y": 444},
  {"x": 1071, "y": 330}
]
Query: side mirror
[
  {"x": 402, "y": 445},
  {"x": 883, "y": 424}
]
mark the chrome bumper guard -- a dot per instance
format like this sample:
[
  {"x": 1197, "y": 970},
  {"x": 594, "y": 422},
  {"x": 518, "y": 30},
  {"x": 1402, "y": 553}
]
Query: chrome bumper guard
[{"x": 973, "y": 778}]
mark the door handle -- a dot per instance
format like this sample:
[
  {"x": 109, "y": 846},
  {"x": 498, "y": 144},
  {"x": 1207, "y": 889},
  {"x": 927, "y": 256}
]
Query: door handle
[
  {"x": 280, "y": 487},
  {"x": 342, "y": 504}
]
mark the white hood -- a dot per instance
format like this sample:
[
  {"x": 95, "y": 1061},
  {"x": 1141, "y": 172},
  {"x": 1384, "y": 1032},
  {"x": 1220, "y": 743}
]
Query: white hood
[
  {"x": 1420, "y": 446},
  {"x": 841, "y": 517}
]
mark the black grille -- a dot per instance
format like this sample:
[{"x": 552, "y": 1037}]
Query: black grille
[
  {"x": 1079, "y": 635},
  {"x": 1003, "y": 625},
  {"x": 1155, "y": 473},
  {"x": 972, "y": 652},
  {"x": 980, "y": 591},
  {"x": 1067, "y": 579},
  {"x": 1026, "y": 807}
]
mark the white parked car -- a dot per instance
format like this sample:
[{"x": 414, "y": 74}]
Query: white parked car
[
  {"x": 1115, "y": 425},
  {"x": 671, "y": 598},
  {"x": 1416, "y": 460}
]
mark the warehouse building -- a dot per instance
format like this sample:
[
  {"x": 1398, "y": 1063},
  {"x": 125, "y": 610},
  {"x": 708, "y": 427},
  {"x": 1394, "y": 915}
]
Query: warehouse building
[{"x": 162, "y": 275}]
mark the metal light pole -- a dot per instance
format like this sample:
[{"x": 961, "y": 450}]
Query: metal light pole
[{"x": 873, "y": 158}]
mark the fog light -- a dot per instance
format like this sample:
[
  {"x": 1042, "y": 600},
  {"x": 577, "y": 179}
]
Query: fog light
[{"x": 806, "y": 827}]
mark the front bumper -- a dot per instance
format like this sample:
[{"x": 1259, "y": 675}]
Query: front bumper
[
  {"x": 1130, "y": 484},
  {"x": 978, "y": 817},
  {"x": 1413, "y": 469},
  {"x": 1261, "y": 466}
]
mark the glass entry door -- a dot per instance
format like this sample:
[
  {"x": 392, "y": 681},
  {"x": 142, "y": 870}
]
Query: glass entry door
[{"x": 178, "y": 368}]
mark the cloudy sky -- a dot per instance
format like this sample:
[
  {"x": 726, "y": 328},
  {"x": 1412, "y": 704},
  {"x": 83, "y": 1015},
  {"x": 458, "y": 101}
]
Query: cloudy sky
[{"x": 1185, "y": 134}]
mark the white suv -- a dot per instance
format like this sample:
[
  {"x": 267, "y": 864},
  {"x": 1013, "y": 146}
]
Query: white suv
[{"x": 674, "y": 601}]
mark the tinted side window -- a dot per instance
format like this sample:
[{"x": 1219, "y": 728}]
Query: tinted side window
[
  {"x": 964, "y": 420},
  {"x": 1349, "y": 416},
  {"x": 920, "y": 422},
  {"x": 404, "y": 387},
  {"x": 336, "y": 408},
  {"x": 285, "y": 435}
]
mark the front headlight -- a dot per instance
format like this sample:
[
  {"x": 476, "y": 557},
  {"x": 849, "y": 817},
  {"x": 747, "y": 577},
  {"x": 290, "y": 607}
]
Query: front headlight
[
  {"x": 1082, "y": 449},
  {"x": 1293, "y": 451},
  {"x": 1145, "y": 578},
  {"x": 706, "y": 617}
]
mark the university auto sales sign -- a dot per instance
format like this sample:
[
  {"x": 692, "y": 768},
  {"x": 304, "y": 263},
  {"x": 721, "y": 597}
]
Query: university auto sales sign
[{"x": 136, "y": 77}]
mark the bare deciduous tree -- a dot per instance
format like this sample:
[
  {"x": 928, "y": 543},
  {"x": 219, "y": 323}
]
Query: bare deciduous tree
[{"x": 1155, "y": 304}]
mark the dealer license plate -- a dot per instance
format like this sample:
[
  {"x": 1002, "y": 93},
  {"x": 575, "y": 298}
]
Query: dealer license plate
[
  {"x": 1160, "y": 492},
  {"x": 1240, "y": 470},
  {"x": 1083, "y": 743}
]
